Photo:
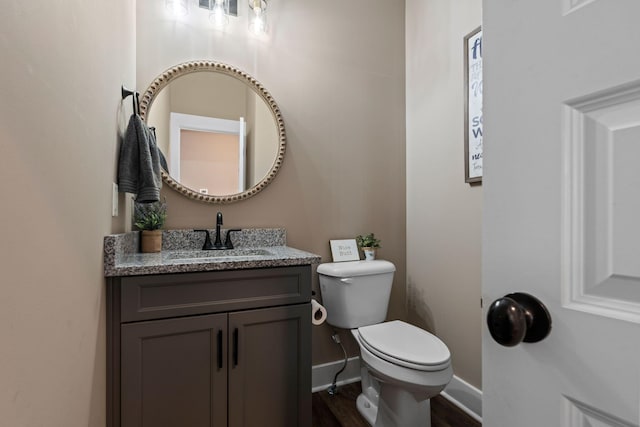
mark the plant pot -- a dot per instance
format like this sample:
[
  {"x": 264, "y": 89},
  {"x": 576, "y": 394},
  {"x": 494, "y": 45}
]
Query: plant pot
[
  {"x": 151, "y": 241},
  {"x": 369, "y": 254}
]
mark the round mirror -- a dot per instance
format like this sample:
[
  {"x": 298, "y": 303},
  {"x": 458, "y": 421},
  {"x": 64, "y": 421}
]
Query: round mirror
[{"x": 219, "y": 130}]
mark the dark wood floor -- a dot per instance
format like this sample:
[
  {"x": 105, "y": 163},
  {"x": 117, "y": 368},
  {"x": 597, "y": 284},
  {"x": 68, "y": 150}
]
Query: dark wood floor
[{"x": 340, "y": 410}]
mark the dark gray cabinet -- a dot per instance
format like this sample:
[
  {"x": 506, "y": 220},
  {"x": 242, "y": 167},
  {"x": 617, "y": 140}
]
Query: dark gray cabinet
[
  {"x": 173, "y": 372},
  {"x": 229, "y": 348}
]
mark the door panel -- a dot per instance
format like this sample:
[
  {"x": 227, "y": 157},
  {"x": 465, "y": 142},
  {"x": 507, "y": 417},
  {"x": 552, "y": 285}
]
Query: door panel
[
  {"x": 174, "y": 372},
  {"x": 601, "y": 239},
  {"x": 561, "y": 208},
  {"x": 270, "y": 385}
]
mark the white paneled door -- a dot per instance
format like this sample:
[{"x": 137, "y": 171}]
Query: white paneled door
[{"x": 561, "y": 216}]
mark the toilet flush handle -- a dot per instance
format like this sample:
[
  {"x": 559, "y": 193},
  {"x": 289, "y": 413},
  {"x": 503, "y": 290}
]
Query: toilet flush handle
[
  {"x": 346, "y": 280},
  {"x": 517, "y": 318}
]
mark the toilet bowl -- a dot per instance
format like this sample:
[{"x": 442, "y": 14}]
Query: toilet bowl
[
  {"x": 399, "y": 385},
  {"x": 403, "y": 366}
]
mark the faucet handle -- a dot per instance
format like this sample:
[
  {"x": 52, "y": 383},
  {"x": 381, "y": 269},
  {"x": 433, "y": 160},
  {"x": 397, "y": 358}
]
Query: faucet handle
[
  {"x": 227, "y": 241},
  {"x": 207, "y": 240}
]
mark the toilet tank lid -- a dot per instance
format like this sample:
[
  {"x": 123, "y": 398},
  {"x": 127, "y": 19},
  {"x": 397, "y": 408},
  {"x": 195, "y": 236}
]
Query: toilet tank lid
[{"x": 356, "y": 268}]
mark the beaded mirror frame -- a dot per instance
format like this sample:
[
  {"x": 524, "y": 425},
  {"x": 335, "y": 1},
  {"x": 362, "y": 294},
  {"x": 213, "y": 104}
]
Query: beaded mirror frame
[{"x": 179, "y": 70}]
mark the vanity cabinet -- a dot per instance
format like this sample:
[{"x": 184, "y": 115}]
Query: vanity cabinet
[{"x": 223, "y": 348}]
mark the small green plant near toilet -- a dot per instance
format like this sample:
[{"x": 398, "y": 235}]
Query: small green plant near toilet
[{"x": 369, "y": 243}]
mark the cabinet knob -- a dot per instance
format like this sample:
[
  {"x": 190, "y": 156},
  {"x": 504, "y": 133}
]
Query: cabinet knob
[{"x": 516, "y": 318}]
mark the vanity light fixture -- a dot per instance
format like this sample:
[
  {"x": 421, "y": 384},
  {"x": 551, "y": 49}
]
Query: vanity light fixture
[
  {"x": 258, "y": 16},
  {"x": 177, "y": 7},
  {"x": 219, "y": 13},
  {"x": 220, "y": 10}
]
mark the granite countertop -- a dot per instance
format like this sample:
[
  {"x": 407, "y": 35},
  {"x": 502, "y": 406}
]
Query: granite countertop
[{"x": 181, "y": 253}]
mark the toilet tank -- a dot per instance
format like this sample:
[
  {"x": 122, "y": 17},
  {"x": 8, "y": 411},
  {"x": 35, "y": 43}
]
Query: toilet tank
[{"x": 356, "y": 293}]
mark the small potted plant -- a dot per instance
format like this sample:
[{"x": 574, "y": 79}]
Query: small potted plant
[
  {"x": 150, "y": 218},
  {"x": 369, "y": 244}
]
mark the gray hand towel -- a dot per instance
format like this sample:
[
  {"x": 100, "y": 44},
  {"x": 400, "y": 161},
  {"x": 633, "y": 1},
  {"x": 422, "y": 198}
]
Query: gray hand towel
[{"x": 139, "y": 163}]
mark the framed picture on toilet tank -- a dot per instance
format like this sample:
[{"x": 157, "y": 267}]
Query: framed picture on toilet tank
[
  {"x": 344, "y": 250},
  {"x": 473, "y": 106}
]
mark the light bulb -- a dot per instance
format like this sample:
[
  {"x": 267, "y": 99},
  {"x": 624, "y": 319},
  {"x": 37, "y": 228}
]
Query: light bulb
[
  {"x": 258, "y": 17},
  {"x": 217, "y": 14},
  {"x": 177, "y": 7}
]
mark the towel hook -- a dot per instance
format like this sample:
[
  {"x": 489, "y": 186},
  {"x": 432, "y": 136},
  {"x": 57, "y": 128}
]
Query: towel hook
[{"x": 136, "y": 100}]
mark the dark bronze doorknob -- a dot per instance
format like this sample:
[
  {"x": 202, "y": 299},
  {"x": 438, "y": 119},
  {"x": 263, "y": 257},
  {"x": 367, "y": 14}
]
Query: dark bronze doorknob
[{"x": 517, "y": 318}]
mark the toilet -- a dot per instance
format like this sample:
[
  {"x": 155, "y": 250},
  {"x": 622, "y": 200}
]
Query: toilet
[{"x": 403, "y": 366}]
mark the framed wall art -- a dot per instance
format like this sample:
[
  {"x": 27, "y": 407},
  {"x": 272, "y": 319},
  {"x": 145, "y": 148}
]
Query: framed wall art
[
  {"x": 473, "y": 106},
  {"x": 344, "y": 250}
]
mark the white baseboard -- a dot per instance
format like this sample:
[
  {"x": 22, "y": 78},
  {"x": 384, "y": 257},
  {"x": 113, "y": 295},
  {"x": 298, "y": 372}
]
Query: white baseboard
[
  {"x": 459, "y": 392},
  {"x": 464, "y": 396},
  {"x": 322, "y": 375}
]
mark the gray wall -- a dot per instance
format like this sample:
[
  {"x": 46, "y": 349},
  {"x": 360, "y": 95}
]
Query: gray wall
[
  {"x": 443, "y": 213},
  {"x": 62, "y": 67},
  {"x": 336, "y": 69}
]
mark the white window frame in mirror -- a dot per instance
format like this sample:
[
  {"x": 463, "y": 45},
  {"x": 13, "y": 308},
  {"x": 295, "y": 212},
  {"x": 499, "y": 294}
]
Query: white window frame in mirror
[{"x": 181, "y": 121}]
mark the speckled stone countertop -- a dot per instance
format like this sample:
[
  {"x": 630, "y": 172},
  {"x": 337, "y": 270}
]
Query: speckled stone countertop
[{"x": 182, "y": 253}]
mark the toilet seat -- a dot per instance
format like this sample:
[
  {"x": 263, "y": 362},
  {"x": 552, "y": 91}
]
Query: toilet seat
[{"x": 405, "y": 345}]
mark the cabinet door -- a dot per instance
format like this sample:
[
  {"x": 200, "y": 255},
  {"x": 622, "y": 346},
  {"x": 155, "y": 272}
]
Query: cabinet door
[
  {"x": 174, "y": 372},
  {"x": 270, "y": 367}
]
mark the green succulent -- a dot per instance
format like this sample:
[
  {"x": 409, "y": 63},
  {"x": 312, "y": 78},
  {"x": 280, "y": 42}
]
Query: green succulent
[
  {"x": 368, "y": 241},
  {"x": 150, "y": 216}
]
